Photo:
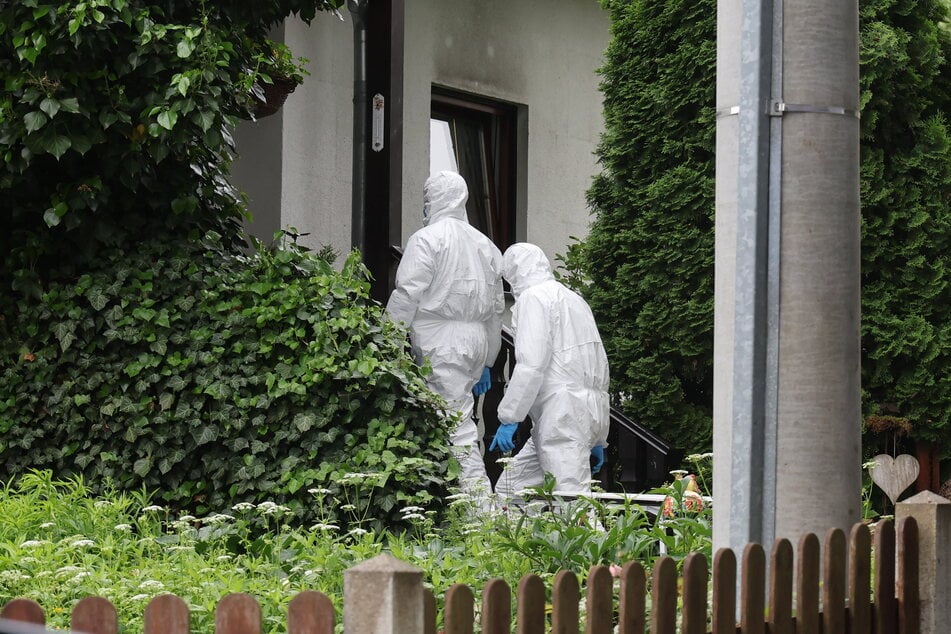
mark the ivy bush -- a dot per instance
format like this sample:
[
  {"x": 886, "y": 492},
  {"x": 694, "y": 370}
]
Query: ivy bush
[
  {"x": 116, "y": 120},
  {"x": 213, "y": 377},
  {"x": 647, "y": 266}
]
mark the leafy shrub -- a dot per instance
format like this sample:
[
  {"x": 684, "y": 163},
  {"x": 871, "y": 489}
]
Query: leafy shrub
[
  {"x": 116, "y": 120},
  {"x": 647, "y": 266},
  {"x": 213, "y": 377}
]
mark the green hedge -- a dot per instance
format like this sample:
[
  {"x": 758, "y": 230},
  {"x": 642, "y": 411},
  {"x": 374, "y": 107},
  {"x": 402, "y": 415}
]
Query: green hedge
[
  {"x": 647, "y": 266},
  {"x": 212, "y": 377}
]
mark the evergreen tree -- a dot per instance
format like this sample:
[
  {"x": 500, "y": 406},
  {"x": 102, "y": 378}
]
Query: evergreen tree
[{"x": 648, "y": 260}]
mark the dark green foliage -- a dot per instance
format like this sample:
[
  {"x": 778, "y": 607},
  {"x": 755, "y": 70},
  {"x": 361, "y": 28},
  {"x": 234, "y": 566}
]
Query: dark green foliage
[
  {"x": 212, "y": 378},
  {"x": 906, "y": 200},
  {"x": 116, "y": 119},
  {"x": 648, "y": 261},
  {"x": 649, "y": 256}
]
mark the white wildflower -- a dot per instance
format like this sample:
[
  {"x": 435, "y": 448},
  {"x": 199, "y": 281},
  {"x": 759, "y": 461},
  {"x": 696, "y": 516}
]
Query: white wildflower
[
  {"x": 79, "y": 577},
  {"x": 412, "y": 509},
  {"x": 223, "y": 558},
  {"x": 505, "y": 460},
  {"x": 459, "y": 496},
  {"x": 267, "y": 505},
  {"x": 413, "y": 516},
  {"x": 325, "y": 527},
  {"x": 33, "y": 543},
  {"x": 318, "y": 491},
  {"x": 151, "y": 584},
  {"x": 101, "y": 504},
  {"x": 155, "y": 508},
  {"x": 356, "y": 532},
  {"x": 66, "y": 571},
  {"x": 347, "y": 507},
  {"x": 242, "y": 506},
  {"x": 124, "y": 528},
  {"x": 187, "y": 518},
  {"x": 82, "y": 542},
  {"x": 219, "y": 518},
  {"x": 140, "y": 597},
  {"x": 47, "y": 524},
  {"x": 275, "y": 509}
]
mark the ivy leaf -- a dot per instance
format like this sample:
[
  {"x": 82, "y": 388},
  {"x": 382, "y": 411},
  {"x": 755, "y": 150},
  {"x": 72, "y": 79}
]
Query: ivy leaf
[
  {"x": 97, "y": 299},
  {"x": 304, "y": 421},
  {"x": 34, "y": 120},
  {"x": 167, "y": 119},
  {"x": 50, "y": 106},
  {"x": 204, "y": 434},
  {"x": 70, "y": 105},
  {"x": 142, "y": 466},
  {"x": 57, "y": 145},
  {"x": 166, "y": 400}
]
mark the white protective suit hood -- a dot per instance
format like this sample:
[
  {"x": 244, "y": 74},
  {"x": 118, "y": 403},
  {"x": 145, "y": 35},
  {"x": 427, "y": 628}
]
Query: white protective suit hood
[
  {"x": 444, "y": 196},
  {"x": 525, "y": 265}
]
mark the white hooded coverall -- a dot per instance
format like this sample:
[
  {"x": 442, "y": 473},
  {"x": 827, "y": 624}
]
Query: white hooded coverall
[
  {"x": 560, "y": 378},
  {"x": 449, "y": 293}
]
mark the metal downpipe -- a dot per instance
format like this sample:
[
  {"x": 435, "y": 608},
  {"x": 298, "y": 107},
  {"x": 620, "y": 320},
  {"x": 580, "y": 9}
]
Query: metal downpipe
[{"x": 358, "y": 9}]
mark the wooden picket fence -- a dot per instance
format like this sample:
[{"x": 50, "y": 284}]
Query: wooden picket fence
[{"x": 828, "y": 594}]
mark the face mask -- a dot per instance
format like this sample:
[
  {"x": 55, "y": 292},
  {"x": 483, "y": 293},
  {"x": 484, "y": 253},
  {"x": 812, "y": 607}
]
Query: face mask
[{"x": 426, "y": 211}]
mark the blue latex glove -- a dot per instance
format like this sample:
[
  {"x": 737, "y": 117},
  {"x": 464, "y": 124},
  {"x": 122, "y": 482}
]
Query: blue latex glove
[
  {"x": 503, "y": 437},
  {"x": 598, "y": 453},
  {"x": 484, "y": 383}
]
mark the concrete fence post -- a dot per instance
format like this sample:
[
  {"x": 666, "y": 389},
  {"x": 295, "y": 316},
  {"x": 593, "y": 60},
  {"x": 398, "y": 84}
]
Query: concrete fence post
[
  {"x": 933, "y": 514},
  {"x": 383, "y": 595}
]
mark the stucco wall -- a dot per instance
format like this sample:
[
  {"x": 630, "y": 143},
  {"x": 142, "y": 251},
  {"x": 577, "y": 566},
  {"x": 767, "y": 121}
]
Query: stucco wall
[{"x": 541, "y": 54}]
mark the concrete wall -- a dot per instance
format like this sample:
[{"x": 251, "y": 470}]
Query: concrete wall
[{"x": 536, "y": 53}]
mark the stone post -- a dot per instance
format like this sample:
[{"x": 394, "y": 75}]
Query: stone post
[
  {"x": 933, "y": 514},
  {"x": 383, "y": 595}
]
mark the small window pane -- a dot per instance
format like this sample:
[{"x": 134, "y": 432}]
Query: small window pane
[{"x": 442, "y": 156}]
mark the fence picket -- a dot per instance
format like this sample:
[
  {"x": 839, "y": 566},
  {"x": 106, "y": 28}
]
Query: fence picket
[
  {"x": 833, "y": 582},
  {"x": 496, "y": 607},
  {"x": 429, "y": 611},
  {"x": 909, "y": 606},
  {"x": 695, "y": 595},
  {"x": 94, "y": 615},
  {"x": 599, "y": 601},
  {"x": 633, "y": 599},
  {"x": 753, "y": 590},
  {"x": 459, "y": 605},
  {"x": 238, "y": 613},
  {"x": 664, "y": 597},
  {"x": 531, "y": 605},
  {"x": 724, "y": 592},
  {"x": 860, "y": 571},
  {"x": 885, "y": 612},
  {"x": 310, "y": 613},
  {"x": 23, "y": 610},
  {"x": 565, "y": 595},
  {"x": 166, "y": 614},
  {"x": 781, "y": 588},
  {"x": 807, "y": 586}
]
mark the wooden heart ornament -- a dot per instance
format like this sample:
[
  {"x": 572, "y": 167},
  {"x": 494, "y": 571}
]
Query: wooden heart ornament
[{"x": 894, "y": 475}]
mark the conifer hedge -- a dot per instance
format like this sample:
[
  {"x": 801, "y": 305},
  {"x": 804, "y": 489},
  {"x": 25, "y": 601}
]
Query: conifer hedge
[{"x": 648, "y": 260}]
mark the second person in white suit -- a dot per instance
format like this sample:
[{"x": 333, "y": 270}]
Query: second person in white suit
[{"x": 560, "y": 379}]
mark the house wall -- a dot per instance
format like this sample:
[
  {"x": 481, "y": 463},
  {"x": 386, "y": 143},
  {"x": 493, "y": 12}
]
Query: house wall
[{"x": 539, "y": 54}]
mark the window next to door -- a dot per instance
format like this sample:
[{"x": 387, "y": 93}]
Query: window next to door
[{"x": 477, "y": 138}]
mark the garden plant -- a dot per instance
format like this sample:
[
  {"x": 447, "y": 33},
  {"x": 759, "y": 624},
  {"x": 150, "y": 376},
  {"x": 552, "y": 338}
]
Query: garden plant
[{"x": 60, "y": 543}]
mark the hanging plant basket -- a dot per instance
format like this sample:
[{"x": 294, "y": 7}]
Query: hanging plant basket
[{"x": 275, "y": 94}]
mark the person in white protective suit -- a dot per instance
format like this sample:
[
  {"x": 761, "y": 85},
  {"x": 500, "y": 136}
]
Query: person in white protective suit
[
  {"x": 560, "y": 379},
  {"x": 449, "y": 293}
]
